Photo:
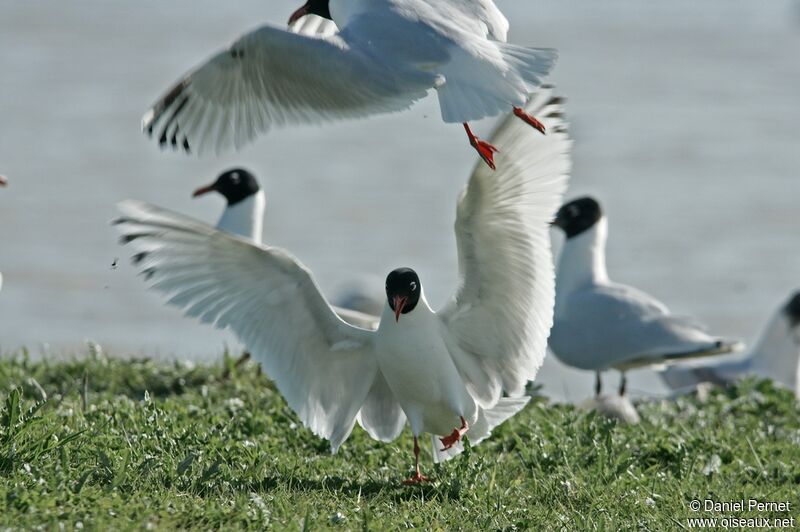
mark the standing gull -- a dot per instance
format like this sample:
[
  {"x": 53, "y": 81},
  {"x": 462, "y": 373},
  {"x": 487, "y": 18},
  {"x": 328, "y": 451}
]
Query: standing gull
[
  {"x": 600, "y": 324},
  {"x": 462, "y": 369},
  {"x": 386, "y": 55},
  {"x": 775, "y": 355}
]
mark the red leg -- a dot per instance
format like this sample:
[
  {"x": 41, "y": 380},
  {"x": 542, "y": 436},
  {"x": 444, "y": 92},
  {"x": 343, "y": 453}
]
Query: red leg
[
  {"x": 484, "y": 149},
  {"x": 528, "y": 119},
  {"x": 418, "y": 477},
  {"x": 449, "y": 441}
]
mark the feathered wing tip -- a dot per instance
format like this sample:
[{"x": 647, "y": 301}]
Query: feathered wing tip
[
  {"x": 532, "y": 64},
  {"x": 321, "y": 366},
  {"x": 507, "y": 278},
  {"x": 481, "y": 91},
  {"x": 719, "y": 347},
  {"x": 482, "y": 428}
]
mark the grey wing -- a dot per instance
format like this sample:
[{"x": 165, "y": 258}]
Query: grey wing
[
  {"x": 622, "y": 327},
  {"x": 271, "y": 77},
  {"x": 479, "y": 18}
]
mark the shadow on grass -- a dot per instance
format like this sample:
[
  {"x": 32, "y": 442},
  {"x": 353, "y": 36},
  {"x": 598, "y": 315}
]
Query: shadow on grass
[{"x": 393, "y": 489}]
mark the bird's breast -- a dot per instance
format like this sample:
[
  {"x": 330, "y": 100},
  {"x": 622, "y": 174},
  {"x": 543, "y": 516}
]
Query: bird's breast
[{"x": 422, "y": 375}]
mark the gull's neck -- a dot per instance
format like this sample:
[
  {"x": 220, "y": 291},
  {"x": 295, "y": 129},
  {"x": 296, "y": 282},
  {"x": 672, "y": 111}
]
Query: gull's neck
[
  {"x": 245, "y": 218},
  {"x": 777, "y": 351},
  {"x": 583, "y": 260},
  {"x": 421, "y": 314}
]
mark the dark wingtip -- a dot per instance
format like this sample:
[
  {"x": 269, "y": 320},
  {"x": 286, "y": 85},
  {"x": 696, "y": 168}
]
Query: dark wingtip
[
  {"x": 139, "y": 257},
  {"x": 126, "y": 239}
]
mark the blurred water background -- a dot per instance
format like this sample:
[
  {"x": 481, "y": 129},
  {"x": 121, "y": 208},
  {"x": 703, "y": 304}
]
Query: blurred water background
[{"x": 685, "y": 116}]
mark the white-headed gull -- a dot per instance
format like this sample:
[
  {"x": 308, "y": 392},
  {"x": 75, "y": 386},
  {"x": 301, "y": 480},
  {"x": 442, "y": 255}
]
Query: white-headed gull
[
  {"x": 600, "y": 324},
  {"x": 775, "y": 355},
  {"x": 444, "y": 372},
  {"x": 387, "y": 55}
]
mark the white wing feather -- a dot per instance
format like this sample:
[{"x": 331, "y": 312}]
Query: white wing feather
[
  {"x": 498, "y": 320},
  {"x": 272, "y": 77},
  {"x": 381, "y": 416},
  {"x": 323, "y": 367}
]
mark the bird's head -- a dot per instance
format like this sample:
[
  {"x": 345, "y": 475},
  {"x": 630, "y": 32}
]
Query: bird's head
[
  {"x": 236, "y": 185},
  {"x": 403, "y": 290},
  {"x": 792, "y": 310},
  {"x": 578, "y": 215},
  {"x": 321, "y": 8},
  {"x": 3, "y": 181}
]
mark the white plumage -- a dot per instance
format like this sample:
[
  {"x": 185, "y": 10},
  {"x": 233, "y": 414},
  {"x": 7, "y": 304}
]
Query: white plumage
[
  {"x": 245, "y": 218},
  {"x": 775, "y": 355},
  {"x": 387, "y": 55},
  {"x": 428, "y": 368},
  {"x": 600, "y": 324}
]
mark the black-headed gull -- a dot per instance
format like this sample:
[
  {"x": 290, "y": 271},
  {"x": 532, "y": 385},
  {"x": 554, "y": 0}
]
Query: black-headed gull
[
  {"x": 775, "y": 355},
  {"x": 244, "y": 216},
  {"x": 444, "y": 372},
  {"x": 387, "y": 55},
  {"x": 244, "y": 209},
  {"x": 600, "y": 324}
]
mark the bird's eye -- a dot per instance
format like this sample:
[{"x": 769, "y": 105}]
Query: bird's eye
[
  {"x": 574, "y": 211},
  {"x": 413, "y": 286}
]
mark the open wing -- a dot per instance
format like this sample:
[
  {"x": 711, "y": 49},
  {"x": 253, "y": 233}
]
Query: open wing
[
  {"x": 272, "y": 77},
  {"x": 499, "y": 319},
  {"x": 323, "y": 367},
  {"x": 479, "y": 18}
]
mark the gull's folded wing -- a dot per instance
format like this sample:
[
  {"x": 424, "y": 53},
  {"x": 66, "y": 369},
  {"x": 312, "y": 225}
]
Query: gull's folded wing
[
  {"x": 629, "y": 328},
  {"x": 324, "y": 367},
  {"x": 500, "y": 316}
]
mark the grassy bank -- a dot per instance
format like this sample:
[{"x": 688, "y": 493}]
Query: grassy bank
[{"x": 132, "y": 444}]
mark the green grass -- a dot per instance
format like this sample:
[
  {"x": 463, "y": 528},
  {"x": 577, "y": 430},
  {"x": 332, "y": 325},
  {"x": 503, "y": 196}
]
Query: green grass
[{"x": 133, "y": 444}]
